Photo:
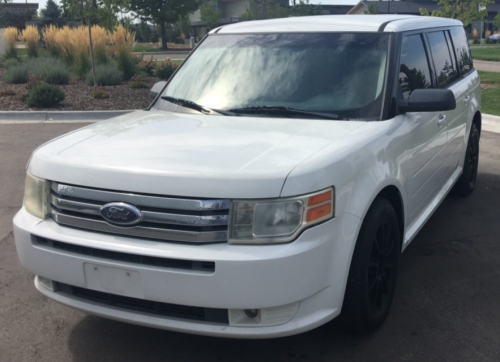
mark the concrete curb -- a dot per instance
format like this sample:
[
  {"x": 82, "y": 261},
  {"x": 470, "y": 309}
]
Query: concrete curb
[
  {"x": 491, "y": 123},
  {"x": 58, "y": 116}
]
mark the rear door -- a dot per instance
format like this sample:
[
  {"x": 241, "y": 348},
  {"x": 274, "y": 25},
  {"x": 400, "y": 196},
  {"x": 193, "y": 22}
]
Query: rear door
[{"x": 427, "y": 135}]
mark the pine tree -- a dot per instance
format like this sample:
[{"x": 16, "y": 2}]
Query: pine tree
[{"x": 51, "y": 15}]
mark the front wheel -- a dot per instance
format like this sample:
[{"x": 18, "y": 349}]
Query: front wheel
[
  {"x": 467, "y": 181},
  {"x": 372, "y": 276}
]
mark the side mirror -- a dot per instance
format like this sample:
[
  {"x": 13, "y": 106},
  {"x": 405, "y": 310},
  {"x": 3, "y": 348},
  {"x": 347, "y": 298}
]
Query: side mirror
[
  {"x": 157, "y": 88},
  {"x": 429, "y": 100}
]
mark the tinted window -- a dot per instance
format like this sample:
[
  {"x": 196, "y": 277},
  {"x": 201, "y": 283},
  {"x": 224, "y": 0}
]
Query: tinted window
[
  {"x": 338, "y": 73},
  {"x": 441, "y": 55},
  {"x": 462, "y": 51},
  {"x": 414, "y": 71}
]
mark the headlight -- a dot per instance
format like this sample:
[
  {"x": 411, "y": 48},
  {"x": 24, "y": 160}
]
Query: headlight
[
  {"x": 36, "y": 196},
  {"x": 278, "y": 220}
]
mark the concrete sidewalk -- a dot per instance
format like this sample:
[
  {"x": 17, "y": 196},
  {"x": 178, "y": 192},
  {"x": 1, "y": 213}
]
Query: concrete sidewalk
[{"x": 487, "y": 66}]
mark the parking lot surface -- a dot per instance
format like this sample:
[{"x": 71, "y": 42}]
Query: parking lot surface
[{"x": 446, "y": 306}]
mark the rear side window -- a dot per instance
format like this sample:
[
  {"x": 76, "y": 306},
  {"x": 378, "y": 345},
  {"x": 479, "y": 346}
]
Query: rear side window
[
  {"x": 443, "y": 63},
  {"x": 462, "y": 50},
  {"x": 414, "y": 71}
]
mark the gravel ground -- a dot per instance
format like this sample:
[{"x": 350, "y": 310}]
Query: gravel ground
[{"x": 78, "y": 97}]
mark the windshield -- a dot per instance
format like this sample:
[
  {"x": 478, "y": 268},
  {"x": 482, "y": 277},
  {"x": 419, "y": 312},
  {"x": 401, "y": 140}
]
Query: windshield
[{"x": 341, "y": 74}]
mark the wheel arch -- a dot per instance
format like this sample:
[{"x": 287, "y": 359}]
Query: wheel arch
[
  {"x": 392, "y": 194},
  {"x": 477, "y": 119}
]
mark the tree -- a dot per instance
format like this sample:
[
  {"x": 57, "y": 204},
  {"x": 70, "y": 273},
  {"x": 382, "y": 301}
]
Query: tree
[
  {"x": 185, "y": 25},
  {"x": 51, "y": 15},
  {"x": 210, "y": 14},
  {"x": 92, "y": 12},
  {"x": 496, "y": 22},
  {"x": 372, "y": 9},
  {"x": 162, "y": 12},
  {"x": 304, "y": 8},
  {"x": 466, "y": 11},
  {"x": 264, "y": 9}
]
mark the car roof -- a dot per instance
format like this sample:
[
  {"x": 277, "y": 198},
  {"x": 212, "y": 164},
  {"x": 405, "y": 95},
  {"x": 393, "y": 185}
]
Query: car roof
[{"x": 341, "y": 23}]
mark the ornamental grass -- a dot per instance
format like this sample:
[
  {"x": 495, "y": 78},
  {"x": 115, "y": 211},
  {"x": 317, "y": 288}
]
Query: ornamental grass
[
  {"x": 11, "y": 35},
  {"x": 31, "y": 36}
]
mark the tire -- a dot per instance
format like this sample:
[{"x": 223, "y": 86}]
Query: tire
[
  {"x": 467, "y": 181},
  {"x": 373, "y": 272}
]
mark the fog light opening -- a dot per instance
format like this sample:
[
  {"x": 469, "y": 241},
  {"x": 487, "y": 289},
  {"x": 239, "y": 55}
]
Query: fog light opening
[{"x": 252, "y": 313}]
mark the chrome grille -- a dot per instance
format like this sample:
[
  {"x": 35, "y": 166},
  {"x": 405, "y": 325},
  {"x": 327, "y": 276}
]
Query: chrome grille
[{"x": 163, "y": 218}]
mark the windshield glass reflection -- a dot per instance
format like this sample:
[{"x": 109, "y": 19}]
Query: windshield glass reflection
[{"x": 336, "y": 73}]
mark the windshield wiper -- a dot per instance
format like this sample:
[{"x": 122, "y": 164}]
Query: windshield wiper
[
  {"x": 285, "y": 111},
  {"x": 197, "y": 107}
]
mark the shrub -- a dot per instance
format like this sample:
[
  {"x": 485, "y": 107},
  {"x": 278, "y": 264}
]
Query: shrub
[
  {"x": 475, "y": 41},
  {"x": 9, "y": 63},
  {"x": 7, "y": 93},
  {"x": 51, "y": 70},
  {"x": 165, "y": 69},
  {"x": 138, "y": 85},
  {"x": 105, "y": 75},
  {"x": 11, "y": 35},
  {"x": 126, "y": 62},
  {"x": 100, "y": 94},
  {"x": 17, "y": 74},
  {"x": 31, "y": 36},
  {"x": 121, "y": 36},
  {"x": 45, "y": 95},
  {"x": 147, "y": 66}
]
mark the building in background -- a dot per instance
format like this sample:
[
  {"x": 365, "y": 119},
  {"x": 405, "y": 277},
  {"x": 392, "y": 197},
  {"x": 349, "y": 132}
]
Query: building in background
[{"x": 20, "y": 8}]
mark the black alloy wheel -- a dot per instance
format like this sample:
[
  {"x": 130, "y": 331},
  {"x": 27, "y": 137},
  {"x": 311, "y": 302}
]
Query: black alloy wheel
[{"x": 373, "y": 273}]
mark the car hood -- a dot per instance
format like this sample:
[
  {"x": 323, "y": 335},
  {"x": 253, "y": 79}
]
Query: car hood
[{"x": 186, "y": 155}]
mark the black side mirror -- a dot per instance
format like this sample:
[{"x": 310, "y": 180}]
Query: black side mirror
[{"x": 429, "y": 100}]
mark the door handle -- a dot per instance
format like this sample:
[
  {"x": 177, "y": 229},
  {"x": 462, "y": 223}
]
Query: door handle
[
  {"x": 441, "y": 119},
  {"x": 466, "y": 99}
]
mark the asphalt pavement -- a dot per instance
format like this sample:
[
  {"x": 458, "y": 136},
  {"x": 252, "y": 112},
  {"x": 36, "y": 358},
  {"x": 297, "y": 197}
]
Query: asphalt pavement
[{"x": 446, "y": 306}]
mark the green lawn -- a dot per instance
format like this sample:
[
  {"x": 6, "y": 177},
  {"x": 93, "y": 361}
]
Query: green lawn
[
  {"x": 491, "y": 97},
  {"x": 492, "y": 54}
]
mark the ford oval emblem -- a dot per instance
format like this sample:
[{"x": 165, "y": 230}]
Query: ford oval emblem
[{"x": 120, "y": 213}]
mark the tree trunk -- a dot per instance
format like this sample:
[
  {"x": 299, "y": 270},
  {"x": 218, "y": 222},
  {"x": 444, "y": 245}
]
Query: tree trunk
[
  {"x": 163, "y": 28},
  {"x": 92, "y": 55}
]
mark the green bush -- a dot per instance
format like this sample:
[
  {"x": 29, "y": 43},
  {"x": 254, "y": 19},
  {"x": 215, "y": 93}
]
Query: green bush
[
  {"x": 9, "y": 63},
  {"x": 10, "y": 53},
  {"x": 100, "y": 94},
  {"x": 105, "y": 75},
  {"x": 138, "y": 85},
  {"x": 127, "y": 63},
  {"x": 17, "y": 74},
  {"x": 476, "y": 41},
  {"x": 51, "y": 70},
  {"x": 45, "y": 95},
  {"x": 165, "y": 69}
]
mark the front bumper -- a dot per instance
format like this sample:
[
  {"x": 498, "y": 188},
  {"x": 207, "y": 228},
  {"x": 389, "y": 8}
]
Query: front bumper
[{"x": 310, "y": 273}]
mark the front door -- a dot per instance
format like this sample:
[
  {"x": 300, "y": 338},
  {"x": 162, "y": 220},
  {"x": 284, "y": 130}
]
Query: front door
[{"x": 427, "y": 137}]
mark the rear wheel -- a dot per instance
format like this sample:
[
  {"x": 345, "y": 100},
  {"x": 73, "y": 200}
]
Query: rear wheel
[
  {"x": 373, "y": 272},
  {"x": 467, "y": 181}
]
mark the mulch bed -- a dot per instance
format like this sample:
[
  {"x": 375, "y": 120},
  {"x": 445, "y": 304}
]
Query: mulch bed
[
  {"x": 78, "y": 97},
  {"x": 485, "y": 86}
]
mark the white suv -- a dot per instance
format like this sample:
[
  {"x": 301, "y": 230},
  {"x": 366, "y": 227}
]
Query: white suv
[{"x": 270, "y": 187}]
